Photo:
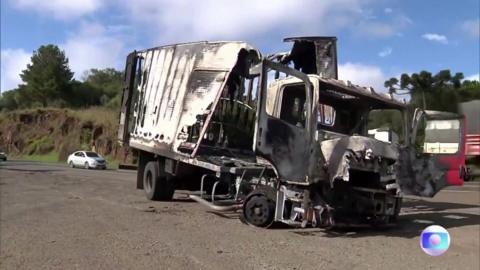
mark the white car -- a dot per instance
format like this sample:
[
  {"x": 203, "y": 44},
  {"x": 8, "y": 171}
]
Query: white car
[
  {"x": 87, "y": 160},
  {"x": 3, "y": 156}
]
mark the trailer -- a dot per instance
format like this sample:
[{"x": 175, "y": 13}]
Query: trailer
[{"x": 278, "y": 138}]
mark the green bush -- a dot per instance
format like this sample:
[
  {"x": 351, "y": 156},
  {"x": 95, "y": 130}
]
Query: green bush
[
  {"x": 42, "y": 145},
  {"x": 49, "y": 157}
]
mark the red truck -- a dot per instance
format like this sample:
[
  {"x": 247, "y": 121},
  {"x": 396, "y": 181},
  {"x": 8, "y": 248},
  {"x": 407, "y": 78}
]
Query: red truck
[{"x": 471, "y": 110}]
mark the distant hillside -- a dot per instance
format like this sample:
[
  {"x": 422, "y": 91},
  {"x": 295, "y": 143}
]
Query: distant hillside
[{"x": 60, "y": 132}]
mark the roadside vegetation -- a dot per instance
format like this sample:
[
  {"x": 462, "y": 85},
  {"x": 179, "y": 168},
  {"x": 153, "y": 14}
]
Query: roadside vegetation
[
  {"x": 51, "y": 134},
  {"x": 50, "y": 157},
  {"x": 51, "y": 114}
]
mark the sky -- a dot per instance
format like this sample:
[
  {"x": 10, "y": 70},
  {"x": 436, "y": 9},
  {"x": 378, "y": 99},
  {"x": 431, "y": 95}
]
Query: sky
[{"x": 377, "y": 39}]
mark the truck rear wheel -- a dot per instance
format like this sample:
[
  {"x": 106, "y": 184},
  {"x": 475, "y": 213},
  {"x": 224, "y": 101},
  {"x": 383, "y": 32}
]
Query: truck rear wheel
[{"x": 157, "y": 183}]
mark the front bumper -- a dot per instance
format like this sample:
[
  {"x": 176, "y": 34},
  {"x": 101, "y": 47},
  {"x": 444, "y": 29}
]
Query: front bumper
[{"x": 98, "y": 166}]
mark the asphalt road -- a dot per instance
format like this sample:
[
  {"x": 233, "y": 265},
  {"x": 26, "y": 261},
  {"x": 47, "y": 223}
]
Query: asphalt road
[{"x": 55, "y": 217}]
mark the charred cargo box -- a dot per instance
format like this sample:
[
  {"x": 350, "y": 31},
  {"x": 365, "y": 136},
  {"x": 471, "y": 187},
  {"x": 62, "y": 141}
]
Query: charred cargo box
[{"x": 278, "y": 137}]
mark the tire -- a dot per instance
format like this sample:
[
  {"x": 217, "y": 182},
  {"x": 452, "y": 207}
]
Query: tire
[
  {"x": 158, "y": 185},
  {"x": 259, "y": 209},
  {"x": 86, "y": 166},
  {"x": 71, "y": 164}
]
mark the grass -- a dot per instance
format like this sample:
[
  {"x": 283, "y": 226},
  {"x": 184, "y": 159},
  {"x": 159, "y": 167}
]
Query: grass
[
  {"x": 53, "y": 157},
  {"x": 41, "y": 145},
  {"x": 50, "y": 157},
  {"x": 111, "y": 163},
  {"x": 97, "y": 115}
]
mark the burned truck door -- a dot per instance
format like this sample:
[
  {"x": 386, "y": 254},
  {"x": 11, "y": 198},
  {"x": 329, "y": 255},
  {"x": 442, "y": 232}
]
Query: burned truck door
[
  {"x": 283, "y": 135},
  {"x": 435, "y": 157}
]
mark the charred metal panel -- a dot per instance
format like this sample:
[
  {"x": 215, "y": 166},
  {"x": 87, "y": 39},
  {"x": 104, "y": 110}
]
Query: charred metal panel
[
  {"x": 179, "y": 86},
  {"x": 232, "y": 125},
  {"x": 315, "y": 55},
  {"x": 128, "y": 88},
  {"x": 356, "y": 152},
  {"x": 419, "y": 175},
  {"x": 374, "y": 98}
]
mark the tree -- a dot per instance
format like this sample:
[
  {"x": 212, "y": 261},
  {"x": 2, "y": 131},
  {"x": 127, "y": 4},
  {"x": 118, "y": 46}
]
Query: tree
[
  {"x": 109, "y": 81},
  {"x": 469, "y": 90},
  {"x": 8, "y": 100},
  {"x": 439, "y": 92},
  {"x": 84, "y": 95},
  {"x": 14, "y": 99},
  {"x": 47, "y": 79}
]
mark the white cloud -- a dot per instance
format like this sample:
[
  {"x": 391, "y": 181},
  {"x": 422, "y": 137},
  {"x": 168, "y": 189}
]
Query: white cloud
[
  {"x": 363, "y": 75},
  {"x": 13, "y": 61},
  {"x": 93, "y": 47},
  {"x": 388, "y": 10},
  {"x": 211, "y": 19},
  {"x": 435, "y": 37},
  {"x": 472, "y": 28},
  {"x": 382, "y": 29},
  {"x": 375, "y": 29},
  {"x": 474, "y": 77},
  {"x": 60, "y": 9},
  {"x": 402, "y": 21},
  {"x": 187, "y": 20},
  {"x": 385, "y": 52}
]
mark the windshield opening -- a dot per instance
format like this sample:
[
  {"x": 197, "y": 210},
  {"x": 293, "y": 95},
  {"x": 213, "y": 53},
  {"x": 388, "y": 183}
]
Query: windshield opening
[
  {"x": 442, "y": 137},
  {"x": 386, "y": 125},
  {"x": 339, "y": 118}
]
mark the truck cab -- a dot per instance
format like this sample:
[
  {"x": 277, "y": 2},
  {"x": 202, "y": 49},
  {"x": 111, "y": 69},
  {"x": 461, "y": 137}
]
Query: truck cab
[{"x": 314, "y": 131}]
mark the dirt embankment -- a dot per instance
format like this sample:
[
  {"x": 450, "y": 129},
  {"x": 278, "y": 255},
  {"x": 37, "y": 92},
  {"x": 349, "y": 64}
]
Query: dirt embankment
[{"x": 63, "y": 131}]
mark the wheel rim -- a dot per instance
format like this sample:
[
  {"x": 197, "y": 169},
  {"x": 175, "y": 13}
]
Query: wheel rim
[
  {"x": 71, "y": 164},
  {"x": 258, "y": 211},
  {"x": 86, "y": 165}
]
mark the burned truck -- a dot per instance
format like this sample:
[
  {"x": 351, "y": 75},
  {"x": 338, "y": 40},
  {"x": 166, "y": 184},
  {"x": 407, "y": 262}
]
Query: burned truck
[{"x": 277, "y": 138}]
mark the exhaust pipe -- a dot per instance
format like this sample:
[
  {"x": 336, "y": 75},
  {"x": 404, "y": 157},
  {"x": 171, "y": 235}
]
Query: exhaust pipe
[{"x": 215, "y": 207}]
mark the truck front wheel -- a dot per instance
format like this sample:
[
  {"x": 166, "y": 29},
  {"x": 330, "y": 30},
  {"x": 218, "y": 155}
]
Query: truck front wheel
[
  {"x": 157, "y": 183},
  {"x": 259, "y": 209}
]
